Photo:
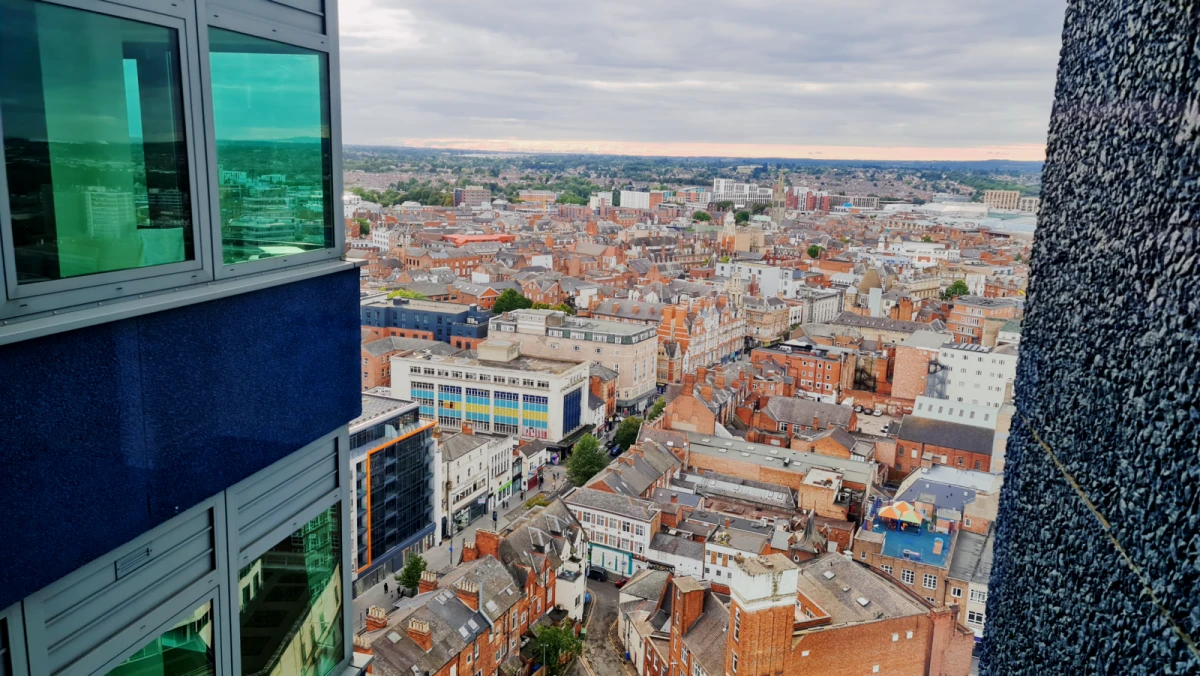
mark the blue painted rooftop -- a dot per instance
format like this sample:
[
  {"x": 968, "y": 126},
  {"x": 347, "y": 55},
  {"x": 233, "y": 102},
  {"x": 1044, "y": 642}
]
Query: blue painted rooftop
[{"x": 914, "y": 545}]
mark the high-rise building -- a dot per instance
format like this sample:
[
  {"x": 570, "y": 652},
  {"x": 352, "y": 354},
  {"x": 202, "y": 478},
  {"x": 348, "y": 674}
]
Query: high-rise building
[
  {"x": 393, "y": 463},
  {"x": 176, "y": 394},
  {"x": 472, "y": 196},
  {"x": 1002, "y": 199}
]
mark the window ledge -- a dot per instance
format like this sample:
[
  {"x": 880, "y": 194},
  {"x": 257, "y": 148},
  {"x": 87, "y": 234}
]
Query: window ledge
[
  {"x": 69, "y": 319},
  {"x": 358, "y": 664}
]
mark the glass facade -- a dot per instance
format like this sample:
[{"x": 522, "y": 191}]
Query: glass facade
[
  {"x": 535, "y": 416},
  {"x": 275, "y": 170},
  {"x": 183, "y": 650},
  {"x": 572, "y": 410},
  {"x": 422, "y": 393},
  {"x": 94, "y": 142},
  {"x": 291, "y": 621},
  {"x": 400, "y": 494},
  {"x": 450, "y": 403}
]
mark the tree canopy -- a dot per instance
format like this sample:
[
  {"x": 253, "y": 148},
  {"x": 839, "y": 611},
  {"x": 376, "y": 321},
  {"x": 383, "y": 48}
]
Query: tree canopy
[
  {"x": 556, "y": 645},
  {"x": 701, "y": 216},
  {"x": 586, "y": 460},
  {"x": 406, "y": 293},
  {"x": 511, "y": 300},
  {"x": 410, "y": 575},
  {"x": 627, "y": 432},
  {"x": 742, "y": 216},
  {"x": 657, "y": 409},
  {"x": 958, "y": 288},
  {"x": 814, "y": 251},
  {"x": 723, "y": 205},
  {"x": 364, "y": 226}
]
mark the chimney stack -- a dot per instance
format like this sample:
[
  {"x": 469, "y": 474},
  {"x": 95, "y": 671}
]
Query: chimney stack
[
  {"x": 674, "y": 498},
  {"x": 706, "y": 392},
  {"x": 468, "y": 593},
  {"x": 689, "y": 384},
  {"x": 376, "y": 618},
  {"x": 429, "y": 582},
  {"x": 816, "y": 422},
  {"x": 727, "y": 522},
  {"x": 487, "y": 543},
  {"x": 419, "y": 632},
  {"x": 719, "y": 380}
]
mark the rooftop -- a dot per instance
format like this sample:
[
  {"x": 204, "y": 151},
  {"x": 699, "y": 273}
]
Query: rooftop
[
  {"x": 376, "y": 407},
  {"x": 523, "y": 363},
  {"x": 839, "y": 586},
  {"x": 973, "y": 557},
  {"x": 854, "y": 471},
  {"x": 914, "y": 544}
]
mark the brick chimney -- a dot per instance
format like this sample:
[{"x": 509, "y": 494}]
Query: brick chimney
[
  {"x": 376, "y": 618},
  {"x": 727, "y": 522},
  {"x": 429, "y": 582},
  {"x": 689, "y": 385},
  {"x": 487, "y": 543},
  {"x": 706, "y": 392},
  {"x": 674, "y": 498},
  {"x": 944, "y": 619},
  {"x": 690, "y": 599},
  {"x": 701, "y": 375},
  {"x": 468, "y": 429},
  {"x": 468, "y": 593},
  {"x": 420, "y": 633},
  {"x": 469, "y": 552},
  {"x": 719, "y": 380},
  {"x": 363, "y": 647},
  {"x": 816, "y": 422}
]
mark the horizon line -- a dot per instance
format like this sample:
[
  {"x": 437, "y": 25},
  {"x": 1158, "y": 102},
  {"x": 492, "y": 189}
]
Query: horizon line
[{"x": 1010, "y": 153}]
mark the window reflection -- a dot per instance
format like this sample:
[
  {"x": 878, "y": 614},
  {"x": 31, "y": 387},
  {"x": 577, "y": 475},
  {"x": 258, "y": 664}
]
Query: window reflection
[
  {"x": 271, "y": 112},
  {"x": 291, "y": 603},
  {"x": 183, "y": 650},
  {"x": 94, "y": 142}
]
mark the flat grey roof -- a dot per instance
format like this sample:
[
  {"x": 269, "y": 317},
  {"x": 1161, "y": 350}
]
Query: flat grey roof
[
  {"x": 522, "y": 363},
  {"x": 379, "y": 407},
  {"x": 855, "y": 471}
]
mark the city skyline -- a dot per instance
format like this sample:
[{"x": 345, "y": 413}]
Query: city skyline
[{"x": 953, "y": 83}]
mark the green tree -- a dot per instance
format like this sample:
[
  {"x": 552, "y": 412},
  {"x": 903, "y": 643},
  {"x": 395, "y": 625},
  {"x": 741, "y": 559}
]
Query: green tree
[
  {"x": 814, "y": 251},
  {"x": 511, "y": 300},
  {"x": 926, "y": 238},
  {"x": 556, "y": 645},
  {"x": 405, "y": 293},
  {"x": 540, "y": 306},
  {"x": 723, "y": 205},
  {"x": 742, "y": 216},
  {"x": 657, "y": 409},
  {"x": 701, "y": 216},
  {"x": 627, "y": 432},
  {"x": 723, "y": 259},
  {"x": 760, "y": 208},
  {"x": 563, "y": 307},
  {"x": 958, "y": 288},
  {"x": 586, "y": 460},
  {"x": 410, "y": 575},
  {"x": 364, "y": 226}
]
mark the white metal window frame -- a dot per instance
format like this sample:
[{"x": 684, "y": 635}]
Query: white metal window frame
[
  {"x": 98, "y": 298},
  {"x": 26, "y": 620}
]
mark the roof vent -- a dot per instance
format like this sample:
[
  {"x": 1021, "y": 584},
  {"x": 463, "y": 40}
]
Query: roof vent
[
  {"x": 845, "y": 589},
  {"x": 863, "y": 601},
  {"x": 828, "y": 575}
]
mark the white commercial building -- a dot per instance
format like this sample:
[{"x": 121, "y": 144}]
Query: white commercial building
[
  {"x": 772, "y": 280},
  {"x": 500, "y": 391},
  {"x": 619, "y": 528},
  {"x": 600, "y": 199},
  {"x": 477, "y": 474},
  {"x": 633, "y": 199},
  {"x": 976, "y": 375}
]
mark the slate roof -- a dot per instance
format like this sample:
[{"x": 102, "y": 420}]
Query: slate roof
[
  {"x": 886, "y": 324},
  {"x": 886, "y": 600},
  {"x": 664, "y": 495},
  {"x": 677, "y": 545},
  {"x": 454, "y": 446},
  {"x": 948, "y": 434},
  {"x": 382, "y": 346},
  {"x": 944, "y": 496},
  {"x": 622, "y": 505},
  {"x": 706, "y": 637},
  {"x": 802, "y": 412},
  {"x": 646, "y": 584}
]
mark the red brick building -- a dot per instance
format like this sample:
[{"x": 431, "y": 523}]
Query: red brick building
[{"x": 923, "y": 442}]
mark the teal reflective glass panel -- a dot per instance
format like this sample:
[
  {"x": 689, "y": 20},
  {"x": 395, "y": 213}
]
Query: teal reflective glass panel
[
  {"x": 291, "y": 603},
  {"x": 183, "y": 650},
  {"x": 94, "y": 142},
  {"x": 274, "y": 157}
]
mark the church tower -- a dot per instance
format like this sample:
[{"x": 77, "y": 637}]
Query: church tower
[{"x": 779, "y": 199}]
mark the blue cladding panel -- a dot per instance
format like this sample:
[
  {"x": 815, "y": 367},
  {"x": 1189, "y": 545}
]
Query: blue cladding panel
[
  {"x": 572, "y": 410},
  {"x": 108, "y": 431}
]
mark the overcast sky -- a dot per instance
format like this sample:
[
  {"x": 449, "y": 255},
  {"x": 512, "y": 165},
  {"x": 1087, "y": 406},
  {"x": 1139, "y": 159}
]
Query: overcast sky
[{"x": 854, "y": 79}]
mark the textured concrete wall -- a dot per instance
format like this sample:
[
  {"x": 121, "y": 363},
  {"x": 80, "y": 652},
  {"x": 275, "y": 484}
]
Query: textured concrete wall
[
  {"x": 108, "y": 431},
  {"x": 1110, "y": 366}
]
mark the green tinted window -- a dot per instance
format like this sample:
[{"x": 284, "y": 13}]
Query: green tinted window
[
  {"x": 271, "y": 112},
  {"x": 291, "y": 609},
  {"x": 94, "y": 142},
  {"x": 183, "y": 650}
]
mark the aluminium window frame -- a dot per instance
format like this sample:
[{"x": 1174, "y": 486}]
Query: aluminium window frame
[
  {"x": 231, "y": 20},
  {"x": 22, "y": 301}
]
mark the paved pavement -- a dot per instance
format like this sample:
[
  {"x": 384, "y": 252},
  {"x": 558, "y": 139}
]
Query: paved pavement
[
  {"x": 599, "y": 656},
  {"x": 869, "y": 424},
  {"x": 438, "y": 558}
]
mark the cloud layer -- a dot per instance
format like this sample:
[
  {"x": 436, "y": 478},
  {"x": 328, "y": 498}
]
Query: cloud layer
[{"x": 934, "y": 79}]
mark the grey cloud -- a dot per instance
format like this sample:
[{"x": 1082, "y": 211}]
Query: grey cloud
[{"x": 819, "y": 72}]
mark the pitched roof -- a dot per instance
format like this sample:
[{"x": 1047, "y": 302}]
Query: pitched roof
[
  {"x": 802, "y": 412},
  {"x": 623, "y": 505},
  {"x": 972, "y": 559},
  {"x": 947, "y": 434}
]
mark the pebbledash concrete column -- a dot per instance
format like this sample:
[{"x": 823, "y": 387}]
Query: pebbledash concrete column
[{"x": 1109, "y": 376}]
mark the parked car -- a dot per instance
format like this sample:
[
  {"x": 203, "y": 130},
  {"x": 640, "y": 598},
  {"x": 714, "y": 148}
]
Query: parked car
[
  {"x": 858, "y": 408},
  {"x": 620, "y": 583},
  {"x": 878, "y": 412},
  {"x": 598, "y": 574}
]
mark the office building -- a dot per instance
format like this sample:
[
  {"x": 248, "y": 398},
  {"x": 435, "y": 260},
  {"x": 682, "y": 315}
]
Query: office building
[
  {"x": 476, "y": 474},
  {"x": 462, "y": 326},
  {"x": 1029, "y": 204},
  {"x": 619, "y": 528},
  {"x": 629, "y": 349},
  {"x": 632, "y": 199},
  {"x": 499, "y": 391},
  {"x": 473, "y": 196},
  {"x": 393, "y": 465},
  {"x": 970, "y": 374},
  {"x": 1002, "y": 199},
  {"x": 177, "y": 388}
]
